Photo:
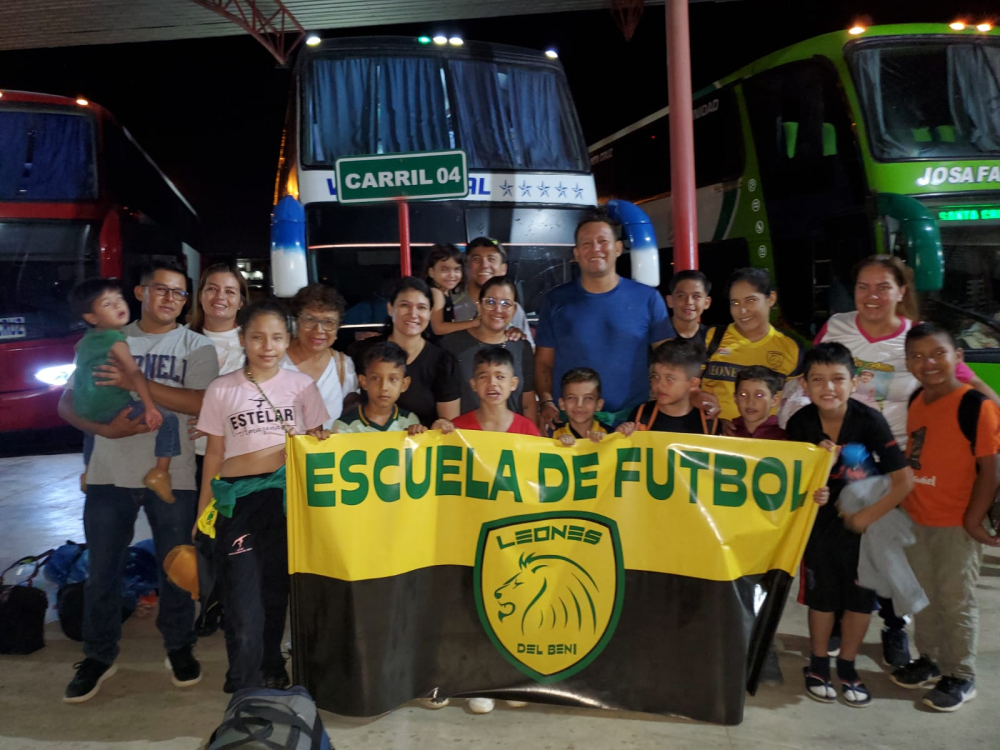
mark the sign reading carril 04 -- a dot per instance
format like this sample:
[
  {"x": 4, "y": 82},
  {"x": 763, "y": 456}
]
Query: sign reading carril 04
[{"x": 425, "y": 175}]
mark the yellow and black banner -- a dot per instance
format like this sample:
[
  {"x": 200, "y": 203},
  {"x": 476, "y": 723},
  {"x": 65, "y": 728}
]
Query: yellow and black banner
[{"x": 619, "y": 574}]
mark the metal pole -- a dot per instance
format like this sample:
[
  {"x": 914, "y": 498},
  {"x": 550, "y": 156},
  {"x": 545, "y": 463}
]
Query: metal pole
[
  {"x": 682, "y": 185},
  {"x": 405, "y": 262}
]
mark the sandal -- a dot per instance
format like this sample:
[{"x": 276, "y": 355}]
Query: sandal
[
  {"x": 856, "y": 694},
  {"x": 818, "y": 688}
]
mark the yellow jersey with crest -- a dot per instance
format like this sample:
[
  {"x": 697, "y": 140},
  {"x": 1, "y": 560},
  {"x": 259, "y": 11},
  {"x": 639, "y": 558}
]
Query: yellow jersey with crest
[{"x": 735, "y": 352}]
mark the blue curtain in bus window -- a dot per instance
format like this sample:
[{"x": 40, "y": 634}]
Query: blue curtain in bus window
[
  {"x": 974, "y": 94},
  {"x": 875, "y": 99},
  {"x": 413, "y": 115},
  {"x": 513, "y": 117},
  {"x": 62, "y": 166},
  {"x": 342, "y": 109},
  {"x": 13, "y": 153}
]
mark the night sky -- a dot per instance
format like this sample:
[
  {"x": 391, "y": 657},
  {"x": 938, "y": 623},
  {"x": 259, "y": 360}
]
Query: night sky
[{"x": 210, "y": 111}]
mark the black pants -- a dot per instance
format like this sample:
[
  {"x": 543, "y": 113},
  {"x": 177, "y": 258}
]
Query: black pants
[
  {"x": 252, "y": 562},
  {"x": 885, "y": 610}
]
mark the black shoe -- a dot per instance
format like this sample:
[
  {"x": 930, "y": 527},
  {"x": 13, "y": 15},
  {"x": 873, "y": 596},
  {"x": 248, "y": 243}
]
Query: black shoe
[
  {"x": 770, "y": 673},
  {"x": 921, "y": 673},
  {"x": 950, "y": 694},
  {"x": 185, "y": 668},
  {"x": 90, "y": 673},
  {"x": 833, "y": 647},
  {"x": 209, "y": 620},
  {"x": 277, "y": 679},
  {"x": 895, "y": 647}
]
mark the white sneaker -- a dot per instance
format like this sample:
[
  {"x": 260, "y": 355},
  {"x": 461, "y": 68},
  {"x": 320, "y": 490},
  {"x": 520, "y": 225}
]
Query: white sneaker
[{"x": 481, "y": 705}]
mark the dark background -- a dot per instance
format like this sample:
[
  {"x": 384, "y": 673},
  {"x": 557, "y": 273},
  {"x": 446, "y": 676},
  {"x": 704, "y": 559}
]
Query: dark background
[{"x": 210, "y": 112}]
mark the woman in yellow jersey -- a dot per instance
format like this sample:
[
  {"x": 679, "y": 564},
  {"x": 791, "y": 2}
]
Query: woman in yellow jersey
[{"x": 749, "y": 340}]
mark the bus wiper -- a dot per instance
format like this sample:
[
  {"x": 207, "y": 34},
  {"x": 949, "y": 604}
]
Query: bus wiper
[{"x": 971, "y": 314}]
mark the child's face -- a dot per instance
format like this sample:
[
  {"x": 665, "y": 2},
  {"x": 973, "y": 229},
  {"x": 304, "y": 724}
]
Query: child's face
[
  {"x": 866, "y": 376},
  {"x": 108, "y": 311},
  {"x": 446, "y": 273},
  {"x": 932, "y": 360},
  {"x": 384, "y": 382},
  {"x": 751, "y": 308},
  {"x": 755, "y": 400},
  {"x": 671, "y": 384},
  {"x": 829, "y": 386},
  {"x": 581, "y": 401},
  {"x": 688, "y": 300},
  {"x": 265, "y": 340},
  {"x": 494, "y": 383}
]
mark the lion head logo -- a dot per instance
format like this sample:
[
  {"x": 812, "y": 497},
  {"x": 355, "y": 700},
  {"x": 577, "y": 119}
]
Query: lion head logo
[
  {"x": 548, "y": 591},
  {"x": 549, "y": 588}
]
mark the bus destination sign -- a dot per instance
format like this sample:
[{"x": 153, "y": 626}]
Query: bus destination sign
[
  {"x": 426, "y": 175},
  {"x": 969, "y": 213}
]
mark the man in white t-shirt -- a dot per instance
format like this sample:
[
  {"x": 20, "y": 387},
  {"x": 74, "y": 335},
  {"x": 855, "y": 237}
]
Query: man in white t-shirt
[{"x": 179, "y": 364}]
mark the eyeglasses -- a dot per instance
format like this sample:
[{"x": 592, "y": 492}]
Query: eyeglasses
[
  {"x": 162, "y": 290},
  {"x": 310, "y": 323},
  {"x": 490, "y": 302}
]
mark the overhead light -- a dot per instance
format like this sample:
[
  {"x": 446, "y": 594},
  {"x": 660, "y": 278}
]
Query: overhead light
[
  {"x": 456, "y": 41},
  {"x": 440, "y": 39},
  {"x": 551, "y": 54},
  {"x": 312, "y": 40},
  {"x": 956, "y": 25},
  {"x": 82, "y": 102},
  {"x": 57, "y": 375},
  {"x": 855, "y": 30},
  {"x": 424, "y": 39},
  {"x": 984, "y": 27}
]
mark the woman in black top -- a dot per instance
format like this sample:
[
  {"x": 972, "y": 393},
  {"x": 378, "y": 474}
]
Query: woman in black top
[{"x": 434, "y": 381}]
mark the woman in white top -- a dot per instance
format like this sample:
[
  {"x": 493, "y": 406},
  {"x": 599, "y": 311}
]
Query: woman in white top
[{"x": 318, "y": 310}]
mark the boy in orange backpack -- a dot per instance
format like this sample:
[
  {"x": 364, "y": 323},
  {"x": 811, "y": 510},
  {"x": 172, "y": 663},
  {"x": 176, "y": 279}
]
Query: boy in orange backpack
[{"x": 674, "y": 376}]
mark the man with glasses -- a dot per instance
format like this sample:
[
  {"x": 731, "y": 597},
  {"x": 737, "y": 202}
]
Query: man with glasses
[{"x": 179, "y": 364}]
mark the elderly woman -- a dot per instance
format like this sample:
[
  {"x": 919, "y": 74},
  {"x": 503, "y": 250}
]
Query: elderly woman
[{"x": 318, "y": 310}]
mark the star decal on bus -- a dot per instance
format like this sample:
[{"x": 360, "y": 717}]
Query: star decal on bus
[
  {"x": 525, "y": 188},
  {"x": 577, "y": 191},
  {"x": 543, "y": 190},
  {"x": 507, "y": 188},
  {"x": 561, "y": 190}
]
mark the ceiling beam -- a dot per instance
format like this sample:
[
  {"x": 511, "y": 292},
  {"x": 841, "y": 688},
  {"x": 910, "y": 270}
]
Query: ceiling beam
[{"x": 274, "y": 27}]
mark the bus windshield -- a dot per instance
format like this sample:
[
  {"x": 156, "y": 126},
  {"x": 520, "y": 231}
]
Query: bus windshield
[
  {"x": 504, "y": 115},
  {"x": 930, "y": 99},
  {"x": 47, "y": 156}
]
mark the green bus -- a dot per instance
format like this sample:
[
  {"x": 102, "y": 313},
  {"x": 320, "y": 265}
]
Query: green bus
[{"x": 885, "y": 139}]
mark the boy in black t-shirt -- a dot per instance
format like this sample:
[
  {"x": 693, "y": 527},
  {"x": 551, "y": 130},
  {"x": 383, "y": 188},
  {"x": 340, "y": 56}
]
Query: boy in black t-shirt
[
  {"x": 830, "y": 563},
  {"x": 674, "y": 376}
]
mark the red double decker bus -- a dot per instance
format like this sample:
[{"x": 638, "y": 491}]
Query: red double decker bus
[{"x": 78, "y": 198}]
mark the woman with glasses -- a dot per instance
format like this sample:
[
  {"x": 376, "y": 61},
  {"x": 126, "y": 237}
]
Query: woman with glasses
[
  {"x": 318, "y": 310},
  {"x": 497, "y": 305},
  {"x": 434, "y": 389}
]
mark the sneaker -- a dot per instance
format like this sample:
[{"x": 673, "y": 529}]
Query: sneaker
[
  {"x": 158, "y": 481},
  {"x": 481, "y": 705},
  {"x": 856, "y": 694},
  {"x": 895, "y": 647},
  {"x": 186, "y": 671},
  {"x": 833, "y": 647},
  {"x": 921, "y": 673},
  {"x": 277, "y": 679},
  {"x": 90, "y": 673},
  {"x": 950, "y": 694},
  {"x": 818, "y": 688},
  {"x": 770, "y": 673}
]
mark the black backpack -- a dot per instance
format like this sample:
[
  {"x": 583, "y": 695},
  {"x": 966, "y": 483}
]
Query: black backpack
[
  {"x": 968, "y": 413},
  {"x": 22, "y": 610}
]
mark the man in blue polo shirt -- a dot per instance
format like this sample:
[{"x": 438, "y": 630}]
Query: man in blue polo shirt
[{"x": 600, "y": 321}]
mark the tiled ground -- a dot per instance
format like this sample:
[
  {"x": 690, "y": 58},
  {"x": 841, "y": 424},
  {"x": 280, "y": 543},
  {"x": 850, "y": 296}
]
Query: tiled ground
[{"x": 40, "y": 506}]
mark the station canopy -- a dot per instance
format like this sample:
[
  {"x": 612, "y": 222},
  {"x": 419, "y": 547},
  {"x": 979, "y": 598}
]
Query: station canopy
[{"x": 32, "y": 24}]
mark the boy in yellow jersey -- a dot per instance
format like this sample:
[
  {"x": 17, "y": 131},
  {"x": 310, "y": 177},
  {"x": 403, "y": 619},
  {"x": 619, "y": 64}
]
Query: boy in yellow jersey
[
  {"x": 580, "y": 399},
  {"x": 749, "y": 340}
]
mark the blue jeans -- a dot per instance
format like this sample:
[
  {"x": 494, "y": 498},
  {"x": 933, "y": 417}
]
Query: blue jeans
[
  {"x": 168, "y": 437},
  {"x": 109, "y": 515}
]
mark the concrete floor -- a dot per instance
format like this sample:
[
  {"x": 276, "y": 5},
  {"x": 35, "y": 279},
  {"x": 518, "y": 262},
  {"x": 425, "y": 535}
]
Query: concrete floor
[{"x": 41, "y": 506}]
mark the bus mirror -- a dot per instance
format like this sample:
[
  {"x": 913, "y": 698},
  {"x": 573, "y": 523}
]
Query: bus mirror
[
  {"x": 919, "y": 236},
  {"x": 791, "y": 130},
  {"x": 289, "y": 271},
  {"x": 638, "y": 231}
]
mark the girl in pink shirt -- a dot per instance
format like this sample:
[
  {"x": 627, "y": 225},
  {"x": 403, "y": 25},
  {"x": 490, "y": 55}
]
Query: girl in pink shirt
[{"x": 247, "y": 415}]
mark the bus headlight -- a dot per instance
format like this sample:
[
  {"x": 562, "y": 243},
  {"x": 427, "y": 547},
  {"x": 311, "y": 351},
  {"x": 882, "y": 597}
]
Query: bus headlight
[{"x": 56, "y": 375}]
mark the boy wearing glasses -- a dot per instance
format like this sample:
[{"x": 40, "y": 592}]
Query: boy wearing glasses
[
  {"x": 101, "y": 305},
  {"x": 178, "y": 365}
]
